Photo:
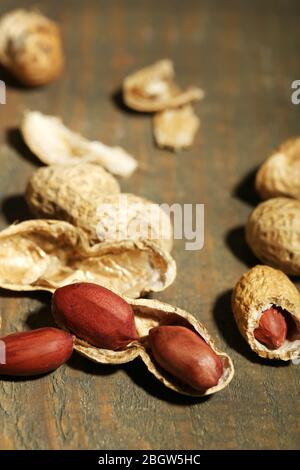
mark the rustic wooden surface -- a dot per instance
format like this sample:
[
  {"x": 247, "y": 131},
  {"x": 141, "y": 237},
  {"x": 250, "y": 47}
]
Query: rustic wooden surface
[{"x": 245, "y": 55}]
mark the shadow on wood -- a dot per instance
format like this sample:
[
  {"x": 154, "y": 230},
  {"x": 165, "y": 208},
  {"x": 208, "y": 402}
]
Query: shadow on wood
[
  {"x": 42, "y": 296},
  {"x": 245, "y": 189},
  {"x": 87, "y": 366},
  {"x": 41, "y": 318},
  {"x": 30, "y": 378},
  {"x": 236, "y": 242},
  {"x": 117, "y": 100},
  {"x": 139, "y": 374},
  {"x": 15, "y": 209},
  {"x": 15, "y": 139},
  {"x": 11, "y": 81}
]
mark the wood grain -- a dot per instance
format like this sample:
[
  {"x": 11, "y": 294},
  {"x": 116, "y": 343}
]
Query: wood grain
[{"x": 245, "y": 56}]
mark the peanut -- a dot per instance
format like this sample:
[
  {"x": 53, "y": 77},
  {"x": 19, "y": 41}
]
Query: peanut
[
  {"x": 266, "y": 307},
  {"x": 95, "y": 314},
  {"x": 279, "y": 175},
  {"x": 149, "y": 314},
  {"x": 272, "y": 329},
  {"x": 31, "y": 47},
  {"x": 185, "y": 355},
  {"x": 88, "y": 197},
  {"x": 272, "y": 233},
  {"x": 35, "y": 352}
]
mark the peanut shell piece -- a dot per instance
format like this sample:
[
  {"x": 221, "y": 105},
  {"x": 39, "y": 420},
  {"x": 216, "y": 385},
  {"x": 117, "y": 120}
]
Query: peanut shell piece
[
  {"x": 272, "y": 232},
  {"x": 175, "y": 128},
  {"x": 148, "y": 314},
  {"x": 279, "y": 175},
  {"x": 54, "y": 144},
  {"x": 153, "y": 88},
  {"x": 89, "y": 198},
  {"x": 31, "y": 47},
  {"x": 256, "y": 291},
  {"x": 47, "y": 254}
]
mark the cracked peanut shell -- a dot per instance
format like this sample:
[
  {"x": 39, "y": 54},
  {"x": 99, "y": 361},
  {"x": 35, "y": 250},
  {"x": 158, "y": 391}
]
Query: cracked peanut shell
[
  {"x": 273, "y": 234},
  {"x": 175, "y": 128},
  {"x": 31, "y": 47},
  {"x": 148, "y": 314},
  {"x": 54, "y": 144},
  {"x": 259, "y": 289},
  {"x": 47, "y": 254},
  {"x": 279, "y": 175},
  {"x": 88, "y": 197},
  {"x": 153, "y": 88}
]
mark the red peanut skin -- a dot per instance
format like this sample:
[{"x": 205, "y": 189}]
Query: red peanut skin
[
  {"x": 185, "y": 355},
  {"x": 36, "y": 352},
  {"x": 95, "y": 314},
  {"x": 272, "y": 329}
]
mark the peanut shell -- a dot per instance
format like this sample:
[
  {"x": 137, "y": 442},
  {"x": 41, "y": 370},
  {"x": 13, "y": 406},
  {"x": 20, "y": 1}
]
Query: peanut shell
[
  {"x": 273, "y": 233},
  {"x": 52, "y": 185},
  {"x": 31, "y": 47},
  {"x": 153, "y": 88},
  {"x": 256, "y": 291},
  {"x": 47, "y": 254},
  {"x": 175, "y": 128},
  {"x": 88, "y": 198},
  {"x": 148, "y": 314},
  {"x": 279, "y": 175},
  {"x": 54, "y": 144}
]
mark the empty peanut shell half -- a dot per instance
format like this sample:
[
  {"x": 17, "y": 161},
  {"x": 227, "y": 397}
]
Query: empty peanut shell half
[
  {"x": 88, "y": 198},
  {"x": 259, "y": 291},
  {"x": 47, "y": 254},
  {"x": 175, "y": 128},
  {"x": 279, "y": 175},
  {"x": 54, "y": 144},
  {"x": 154, "y": 89},
  {"x": 149, "y": 314},
  {"x": 272, "y": 232},
  {"x": 31, "y": 47}
]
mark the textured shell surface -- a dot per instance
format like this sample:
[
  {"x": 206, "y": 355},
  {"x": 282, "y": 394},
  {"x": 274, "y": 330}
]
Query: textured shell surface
[
  {"x": 89, "y": 198},
  {"x": 134, "y": 217},
  {"x": 54, "y": 144},
  {"x": 153, "y": 88},
  {"x": 175, "y": 128},
  {"x": 67, "y": 191},
  {"x": 273, "y": 233},
  {"x": 31, "y": 46},
  {"x": 279, "y": 175},
  {"x": 148, "y": 314},
  {"x": 47, "y": 254},
  {"x": 256, "y": 291}
]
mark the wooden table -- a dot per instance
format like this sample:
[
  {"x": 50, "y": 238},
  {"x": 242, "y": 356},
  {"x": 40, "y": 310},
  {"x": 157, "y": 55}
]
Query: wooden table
[{"x": 245, "y": 55}]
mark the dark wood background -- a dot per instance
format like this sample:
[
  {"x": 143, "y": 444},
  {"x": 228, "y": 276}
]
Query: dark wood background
[{"x": 245, "y": 54}]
